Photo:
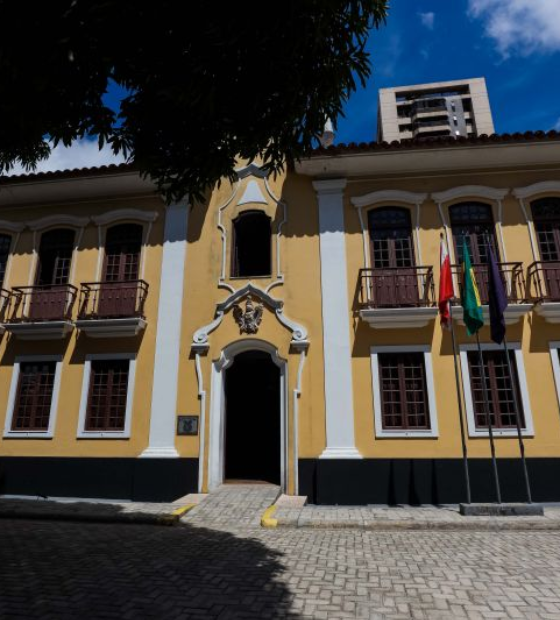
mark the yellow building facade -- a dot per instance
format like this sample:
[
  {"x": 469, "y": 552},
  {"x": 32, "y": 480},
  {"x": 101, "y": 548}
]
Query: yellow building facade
[{"x": 286, "y": 329}]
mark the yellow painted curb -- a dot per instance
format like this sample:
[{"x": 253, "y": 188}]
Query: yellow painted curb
[
  {"x": 176, "y": 514},
  {"x": 267, "y": 520}
]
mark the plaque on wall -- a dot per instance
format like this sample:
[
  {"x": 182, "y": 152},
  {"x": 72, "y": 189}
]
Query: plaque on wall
[{"x": 187, "y": 425}]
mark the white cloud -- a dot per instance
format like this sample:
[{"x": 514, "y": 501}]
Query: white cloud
[
  {"x": 427, "y": 19},
  {"x": 519, "y": 27},
  {"x": 82, "y": 154},
  {"x": 557, "y": 125}
]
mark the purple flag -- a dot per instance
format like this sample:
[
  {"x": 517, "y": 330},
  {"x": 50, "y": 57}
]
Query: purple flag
[{"x": 497, "y": 299}]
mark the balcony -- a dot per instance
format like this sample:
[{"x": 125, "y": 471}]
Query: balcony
[
  {"x": 543, "y": 286},
  {"x": 112, "y": 309},
  {"x": 40, "y": 312},
  {"x": 514, "y": 284},
  {"x": 398, "y": 297}
]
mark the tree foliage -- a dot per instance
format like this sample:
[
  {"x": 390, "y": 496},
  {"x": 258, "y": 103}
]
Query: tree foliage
[{"x": 202, "y": 83}]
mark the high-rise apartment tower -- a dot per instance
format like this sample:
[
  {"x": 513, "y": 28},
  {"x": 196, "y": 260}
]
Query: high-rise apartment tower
[{"x": 457, "y": 108}]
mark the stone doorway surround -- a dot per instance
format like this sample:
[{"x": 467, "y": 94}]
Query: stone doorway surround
[{"x": 217, "y": 408}]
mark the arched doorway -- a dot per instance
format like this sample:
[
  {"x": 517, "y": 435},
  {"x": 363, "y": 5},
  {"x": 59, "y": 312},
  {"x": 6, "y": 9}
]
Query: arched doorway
[
  {"x": 251, "y": 402},
  {"x": 252, "y": 418}
]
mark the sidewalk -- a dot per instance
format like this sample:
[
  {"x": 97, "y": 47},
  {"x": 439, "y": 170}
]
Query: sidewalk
[
  {"x": 386, "y": 518},
  {"x": 97, "y": 511}
]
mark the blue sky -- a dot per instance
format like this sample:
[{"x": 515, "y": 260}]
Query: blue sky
[{"x": 514, "y": 44}]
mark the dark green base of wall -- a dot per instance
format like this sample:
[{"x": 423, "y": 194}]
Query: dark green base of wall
[
  {"x": 154, "y": 480},
  {"x": 423, "y": 481}
]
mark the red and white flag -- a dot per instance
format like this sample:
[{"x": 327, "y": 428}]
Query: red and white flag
[{"x": 445, "y": 287}]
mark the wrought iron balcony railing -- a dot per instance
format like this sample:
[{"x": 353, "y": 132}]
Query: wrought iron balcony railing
[
  {"x": 28, "y": 304},
  {"x": 396, "y": 287},
  {"x": 543, "y": 281},
  {"x": 512, "y": 278},
  {"x": 111, "y": 300}
]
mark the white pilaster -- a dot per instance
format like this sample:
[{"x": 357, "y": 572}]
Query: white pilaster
[
  {"x": 339, "y": 400},
  {"x": 168, "y": 338}
]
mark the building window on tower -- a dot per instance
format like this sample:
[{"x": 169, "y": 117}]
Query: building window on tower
[
  {"x": 251, "y": 253},
  {"x": 404, "y": 396}
]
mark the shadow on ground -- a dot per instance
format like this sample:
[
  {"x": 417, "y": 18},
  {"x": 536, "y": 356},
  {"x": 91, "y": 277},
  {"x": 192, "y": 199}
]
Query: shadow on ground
[{"x": 69, "y": 570}]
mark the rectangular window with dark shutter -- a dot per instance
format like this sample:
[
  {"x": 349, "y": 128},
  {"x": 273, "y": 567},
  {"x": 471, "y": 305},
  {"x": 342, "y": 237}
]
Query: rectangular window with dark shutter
[
  {"x": 499, "y": 389},
  {"x": 404, "y": 400},
  {"x": 34, "y": 396},
  {"x": 106, "y": 408}
]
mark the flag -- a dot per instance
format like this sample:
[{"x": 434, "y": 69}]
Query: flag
[
  {"x": 470, "y": 298},
  {"x": 497, "y": 299},
  {"x": 445, "y": 286}
]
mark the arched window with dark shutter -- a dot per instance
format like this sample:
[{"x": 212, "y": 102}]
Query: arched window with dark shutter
[
  {"x": 55, "y": 257},
  {"x": 118, "y": 293},
  {"x": 5, "y": 244},
  {"x": 474, "y": 222},
  {"x": 251, "y": 253},
  {"x": 546, "y": 218}
]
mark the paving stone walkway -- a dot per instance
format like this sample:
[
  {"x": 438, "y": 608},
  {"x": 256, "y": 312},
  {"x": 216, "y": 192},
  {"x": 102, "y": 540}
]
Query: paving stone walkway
[{"x": 237, "y": 505}]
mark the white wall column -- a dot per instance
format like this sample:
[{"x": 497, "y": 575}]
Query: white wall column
[
  {"x": 168, "y": 337},
  {"x": 339, "y": 401}
]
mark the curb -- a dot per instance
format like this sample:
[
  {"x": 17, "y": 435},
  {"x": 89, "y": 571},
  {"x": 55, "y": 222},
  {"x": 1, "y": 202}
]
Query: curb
[
  {"x": 423, "y": 526},
  {"x": 137, "y": 518},
  {"x": 267, "y": 519}
]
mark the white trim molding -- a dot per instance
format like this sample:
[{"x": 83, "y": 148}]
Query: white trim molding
[
  {"x": 12, "y": 227},
  {"x": 50, "y": 221},
  {"x": 339, "y": 396},
  {"x": 398, "y": 318},
  {"x": 426, "y": 350},
  {"x": 470, "y": 191},
  {"x": 554, "y": 347},
  {"x": 125, "y": 433},
  {"x": 217, "y": 420},
  {"x": 168, "y": 334},
  {"x": 26, "y": 434},
  {"x": 375, "y": 199},
  {"x": 528, "y": 430},
  {"x": 133, "y": 215}
]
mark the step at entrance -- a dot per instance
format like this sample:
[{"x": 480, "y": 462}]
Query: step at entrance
[{"x": 237, "y": 504}]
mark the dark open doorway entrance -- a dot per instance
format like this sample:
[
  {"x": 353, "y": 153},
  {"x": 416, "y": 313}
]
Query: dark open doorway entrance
[{"x": 252, "y": 418}]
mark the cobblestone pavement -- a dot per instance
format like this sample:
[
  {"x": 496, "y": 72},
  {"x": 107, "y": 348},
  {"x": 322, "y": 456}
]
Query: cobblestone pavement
[
  {"x": 56, "y": 570},
  {"x": 234, "y": 505}
]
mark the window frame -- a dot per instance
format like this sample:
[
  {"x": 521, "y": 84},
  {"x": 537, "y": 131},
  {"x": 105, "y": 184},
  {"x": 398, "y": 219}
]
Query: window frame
[
  {"x": 554, "y": 348},
  {"x": 234, "y": 265},
  {"x": 82, "y": 433},
  {"x": 380, "y": 432},
  {"x": 12, "y": 398},
  {"x": 529, "y": 430}
]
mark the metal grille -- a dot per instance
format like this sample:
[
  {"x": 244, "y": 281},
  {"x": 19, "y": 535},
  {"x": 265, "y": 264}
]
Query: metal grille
[
  {"x": 404, "y": 401},
  {"x": 122, "y": 252},
  {"x": 5, "y": 243},
  {"x": 107, "y": 395},
  {"x": 34, "y": 396},
  {"x": 55, "y": 257},
  {"x": 499, "y": 389}
]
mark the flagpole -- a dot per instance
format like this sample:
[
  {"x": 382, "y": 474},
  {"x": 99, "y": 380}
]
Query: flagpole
[
  {"x": 460, "y": 403},
  {"x": 489, "y": 421},
  {"x": 459, "y": 394},
  {"x": 518, "y": 425}
]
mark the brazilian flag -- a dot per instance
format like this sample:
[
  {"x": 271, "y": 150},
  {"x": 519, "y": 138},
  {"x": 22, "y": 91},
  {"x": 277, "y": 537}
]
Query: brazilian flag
[{"x": 470, "y": 298}]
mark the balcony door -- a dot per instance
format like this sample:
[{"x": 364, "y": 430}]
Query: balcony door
[
  {"x": 474, "y": 222},
  {"x": 121, "y": 268},
  {"x": 394, "y": 281},
  {"x": 49, "y": 298},
  {"x": 546, "y": 217}
]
